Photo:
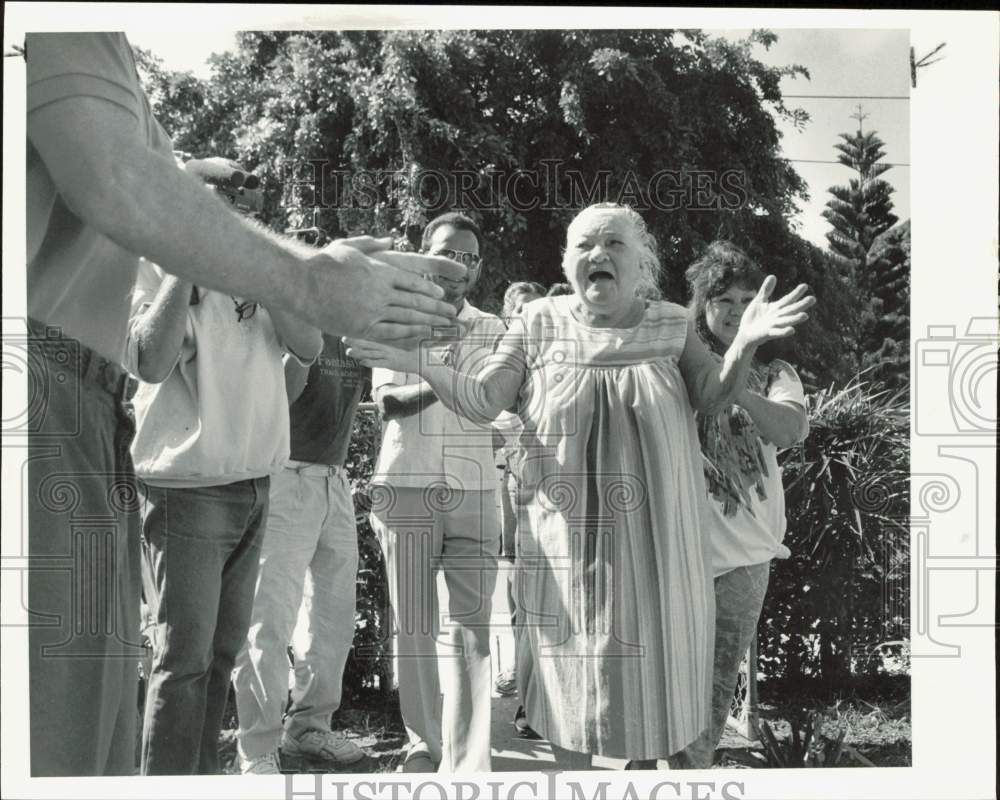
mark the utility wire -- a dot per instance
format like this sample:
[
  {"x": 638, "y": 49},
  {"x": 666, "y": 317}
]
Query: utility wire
[
  {"x": 846, "y": 96},
  {"x": 839, "y": 164}
]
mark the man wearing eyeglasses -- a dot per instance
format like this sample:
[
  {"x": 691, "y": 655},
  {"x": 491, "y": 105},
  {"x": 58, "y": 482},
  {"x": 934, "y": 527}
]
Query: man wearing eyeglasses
[
  {"x": 433, "y": 509},
  {"x": 211, "y": 427}
]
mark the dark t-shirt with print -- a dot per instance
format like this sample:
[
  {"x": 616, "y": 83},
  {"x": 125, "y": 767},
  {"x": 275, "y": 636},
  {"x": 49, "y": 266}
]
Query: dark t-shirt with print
[{"x": 323, "y": 415}]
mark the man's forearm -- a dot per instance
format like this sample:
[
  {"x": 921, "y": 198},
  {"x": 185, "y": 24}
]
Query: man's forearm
[
  {"x": 159, "y": 331},
  {"x": 296, "y": 378},
  {"x": 140, "y": 199},
  {"x": 200, "y": 240},
  {"x": 299, "y": 337},
  {"x": 405, "y": 401}
]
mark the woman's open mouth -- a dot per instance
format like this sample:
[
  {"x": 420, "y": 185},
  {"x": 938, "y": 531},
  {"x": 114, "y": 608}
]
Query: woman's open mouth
[{"x": 600, "y": 274}]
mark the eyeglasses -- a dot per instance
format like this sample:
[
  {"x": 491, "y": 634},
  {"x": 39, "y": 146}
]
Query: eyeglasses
[
  {"x": 244, "y": 310},
  {"x": 471, "y": 260}
]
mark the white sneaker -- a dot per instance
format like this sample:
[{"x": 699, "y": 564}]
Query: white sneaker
[
  {"x": 267, "y": 764},
  {"x": 329, "y": 745}
]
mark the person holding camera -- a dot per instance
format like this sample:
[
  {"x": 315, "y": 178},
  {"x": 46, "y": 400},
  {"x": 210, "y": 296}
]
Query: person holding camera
[
  {"x": 103, "y": 190},
  {"x": 211, "y": 428}
]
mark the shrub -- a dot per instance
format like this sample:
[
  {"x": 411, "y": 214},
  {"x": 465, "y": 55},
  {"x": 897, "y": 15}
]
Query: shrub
[
  {"x": 369, "y": 666},
  {"x": 844, "y": 591}
]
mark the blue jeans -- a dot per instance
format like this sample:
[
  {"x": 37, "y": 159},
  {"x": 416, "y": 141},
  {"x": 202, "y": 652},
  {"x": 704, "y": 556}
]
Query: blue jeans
[
  {"x": 201, "y": 549},
  {"x": 83, "y": 548}
]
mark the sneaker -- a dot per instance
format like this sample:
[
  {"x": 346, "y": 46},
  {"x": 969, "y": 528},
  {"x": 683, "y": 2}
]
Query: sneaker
[
  {"x": 267, "y": 764},
  {"x": 329, "y": 745},
  {"x": 505, "y": 684}
]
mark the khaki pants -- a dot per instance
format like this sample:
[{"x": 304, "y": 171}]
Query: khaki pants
[
  {"x": 458, "y": 535},
  {"x": 308, "y": 569}
]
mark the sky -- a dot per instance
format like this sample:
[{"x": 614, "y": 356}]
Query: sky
[{"x": 855, "y": 62}]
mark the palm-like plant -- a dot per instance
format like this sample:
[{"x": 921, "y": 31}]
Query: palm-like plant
[{"x": 846, "y": 491}]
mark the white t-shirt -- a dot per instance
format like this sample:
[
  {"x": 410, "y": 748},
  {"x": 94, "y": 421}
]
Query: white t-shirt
[
  {"x": 744, "y": 539},
  {"x": 221, "y": 415},
  {"x": 438, "y": 445}
]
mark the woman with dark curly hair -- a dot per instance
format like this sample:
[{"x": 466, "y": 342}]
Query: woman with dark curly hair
[{"x": 744, "y": 515}]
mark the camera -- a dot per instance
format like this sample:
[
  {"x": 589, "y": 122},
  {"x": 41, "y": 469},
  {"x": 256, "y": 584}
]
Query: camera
[
  {"x": 238, "y": 187},
  {"x": 313, "y": 236}
]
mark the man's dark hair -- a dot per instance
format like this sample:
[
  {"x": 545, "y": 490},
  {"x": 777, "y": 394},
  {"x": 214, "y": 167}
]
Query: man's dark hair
[{"x": 457, "y": 221}]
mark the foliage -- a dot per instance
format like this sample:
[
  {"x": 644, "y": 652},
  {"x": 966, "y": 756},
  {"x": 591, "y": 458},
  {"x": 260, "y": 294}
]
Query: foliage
[
  {"x": 371, "y": 655},
  {"x": 862, "y": 210},
  {"x": 873, "y": 258},
  {"x": 884, "y": 332},
  {"x": 805, "y": 746},
  {"x": 844, "y": 589},
  {"x": 380, "y": 130}
]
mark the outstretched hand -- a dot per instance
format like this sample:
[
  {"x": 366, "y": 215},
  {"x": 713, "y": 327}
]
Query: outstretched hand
[
  {"x": 380, "y": 295},
  {"x": 766, "y": 319},
  {"x": 383, "y": 356}
]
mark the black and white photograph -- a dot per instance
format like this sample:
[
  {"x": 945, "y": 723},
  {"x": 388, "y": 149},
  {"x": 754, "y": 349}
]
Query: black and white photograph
[{"x": 499, "y": 403}]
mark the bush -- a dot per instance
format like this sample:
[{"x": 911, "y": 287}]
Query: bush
[
  {"x": 844, "y": 591},
  {"x": 369, "y": 666}
]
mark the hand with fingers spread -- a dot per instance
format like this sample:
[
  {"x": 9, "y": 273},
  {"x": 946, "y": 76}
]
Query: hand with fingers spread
[
  {"x": 766, "y": 319},
  {"x": 384, "y": 356},
  {"x": 371, "y": 292}
]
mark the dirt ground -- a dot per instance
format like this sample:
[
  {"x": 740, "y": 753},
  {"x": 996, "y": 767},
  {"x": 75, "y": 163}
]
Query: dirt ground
[{"x": 878, "y": 734}]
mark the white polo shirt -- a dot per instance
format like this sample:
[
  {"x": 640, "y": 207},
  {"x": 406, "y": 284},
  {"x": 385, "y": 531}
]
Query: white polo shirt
[
  {"x": 438, "y": 446},
  {"x": 221, "y": 415}
]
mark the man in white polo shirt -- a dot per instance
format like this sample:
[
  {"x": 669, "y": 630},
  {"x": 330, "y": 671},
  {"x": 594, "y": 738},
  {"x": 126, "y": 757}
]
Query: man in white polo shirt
[
  {"x": 211, "y": 428},
  {"x": 433, "y": 509}
]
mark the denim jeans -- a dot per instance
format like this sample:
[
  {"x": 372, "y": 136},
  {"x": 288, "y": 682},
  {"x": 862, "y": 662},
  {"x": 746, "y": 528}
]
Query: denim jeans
[
  {"x": 201, "y": 548},
  {"x": 83, "y": 548},
  {"x": 308, "y": 572}
]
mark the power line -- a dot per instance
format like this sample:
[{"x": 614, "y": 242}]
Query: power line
[
  {"x": 846, "y": 96},
  {"x": 839, "y": 164}
]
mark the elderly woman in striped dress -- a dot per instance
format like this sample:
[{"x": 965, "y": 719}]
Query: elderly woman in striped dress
[{"x": 614, "y": 576}]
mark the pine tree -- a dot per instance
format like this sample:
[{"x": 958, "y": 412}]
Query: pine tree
[
  {"x": 860, "y": 215},
  {"x": 861, "y": 211},
  {"x": 885, "y": 330}
]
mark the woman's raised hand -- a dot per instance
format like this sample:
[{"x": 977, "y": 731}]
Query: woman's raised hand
[{"x": 766, "y": 319}]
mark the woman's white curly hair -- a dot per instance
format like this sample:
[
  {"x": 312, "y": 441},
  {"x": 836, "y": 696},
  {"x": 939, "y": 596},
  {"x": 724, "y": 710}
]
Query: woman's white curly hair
[{"x": 649, "y": 261}]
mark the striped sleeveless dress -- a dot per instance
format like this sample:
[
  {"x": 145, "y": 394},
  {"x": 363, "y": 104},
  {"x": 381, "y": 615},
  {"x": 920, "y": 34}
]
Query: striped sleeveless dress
[{"x": 614, "y": 577}]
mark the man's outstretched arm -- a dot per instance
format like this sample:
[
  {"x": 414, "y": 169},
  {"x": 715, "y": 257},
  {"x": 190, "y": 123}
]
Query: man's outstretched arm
[{"x": 143, "y": 202}]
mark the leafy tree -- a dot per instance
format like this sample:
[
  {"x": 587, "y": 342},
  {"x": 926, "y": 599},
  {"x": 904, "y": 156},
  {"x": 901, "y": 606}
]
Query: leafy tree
[{"x": 354, "y": 130}]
